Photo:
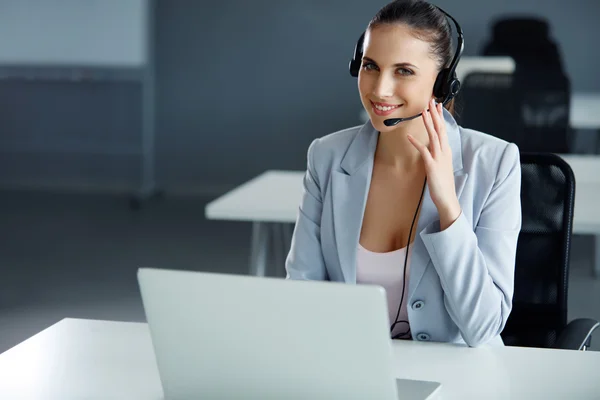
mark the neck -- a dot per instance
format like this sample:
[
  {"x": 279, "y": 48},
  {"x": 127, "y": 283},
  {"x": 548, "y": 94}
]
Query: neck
[{"x": 396, "y": 152}]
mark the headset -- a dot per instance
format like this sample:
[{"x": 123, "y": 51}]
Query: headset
[{"x": 446, "y": 85}]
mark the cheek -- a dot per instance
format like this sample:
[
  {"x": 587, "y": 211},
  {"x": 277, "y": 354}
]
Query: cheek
[
  {"x": 416, "y": 89},
  {"x": 417, "y": 95},
  {"x": 364, "y": 85}
]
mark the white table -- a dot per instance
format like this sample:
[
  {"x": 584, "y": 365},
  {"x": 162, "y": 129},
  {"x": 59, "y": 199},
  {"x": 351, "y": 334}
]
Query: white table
[
  {"x": 468, "y": 64},
  {"x": 89, "y": 359},
  {"x": 82, "y": 359},
  {"x": 270, "y": 201},
  {"x": 585, "y": 110}
]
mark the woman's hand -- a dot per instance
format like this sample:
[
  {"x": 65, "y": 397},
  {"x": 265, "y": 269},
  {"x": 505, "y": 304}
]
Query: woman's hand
[{"x": 438, "y": 165}]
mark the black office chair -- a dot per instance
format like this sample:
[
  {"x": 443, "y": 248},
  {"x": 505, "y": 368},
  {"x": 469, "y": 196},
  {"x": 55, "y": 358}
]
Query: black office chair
[
  {"x": 544, "y": 98},
  {"x": 487, "y": 102},
  {"x": 539, "y": 314},
  {"x": 532, "y": 112},
  {"x": 527, "y": 39}
]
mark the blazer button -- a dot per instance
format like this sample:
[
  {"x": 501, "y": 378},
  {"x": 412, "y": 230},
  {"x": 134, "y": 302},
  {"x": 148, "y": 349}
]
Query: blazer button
[
  {"x": 417, "y": 305},
  {"x": 423, "y": 337}
]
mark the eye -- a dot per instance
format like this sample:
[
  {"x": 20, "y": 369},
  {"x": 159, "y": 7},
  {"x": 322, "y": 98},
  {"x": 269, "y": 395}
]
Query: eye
[
  {"x": 404, "y": 71},
  {"x": 369, "y": 66}
]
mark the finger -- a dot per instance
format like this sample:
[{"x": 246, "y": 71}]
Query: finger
[
  {"x": 433, "y": 137},
  {"x": 435, "y": 116},
  {"x": 423, "y": 150},
  {"x": 440, "y": 126}
]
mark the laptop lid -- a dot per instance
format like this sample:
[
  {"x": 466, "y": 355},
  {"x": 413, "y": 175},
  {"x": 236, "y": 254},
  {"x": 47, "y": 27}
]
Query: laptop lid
[{"x": 222, "y": 336}]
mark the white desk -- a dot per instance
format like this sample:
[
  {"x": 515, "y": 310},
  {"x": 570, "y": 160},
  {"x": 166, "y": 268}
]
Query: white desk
[
  {"x": 585, "y": 110},
  {"x": 271, "y": 202},
  {"x": 82, "y": 359},
  {"x": 468, "y": 64},
  {"x": 88, "y": 359}
]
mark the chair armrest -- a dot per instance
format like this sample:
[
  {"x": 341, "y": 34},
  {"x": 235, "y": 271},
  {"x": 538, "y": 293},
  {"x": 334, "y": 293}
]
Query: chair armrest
[{"x": 577, "y": 334}]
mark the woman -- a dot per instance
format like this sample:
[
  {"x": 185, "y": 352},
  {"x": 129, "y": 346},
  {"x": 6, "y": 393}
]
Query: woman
[{"x": 425, "y": 208}]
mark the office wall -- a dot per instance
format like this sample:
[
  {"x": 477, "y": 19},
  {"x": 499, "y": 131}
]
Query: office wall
[
  {"x": 109, "y": 32},
  {"x": 245, "y": 86}
]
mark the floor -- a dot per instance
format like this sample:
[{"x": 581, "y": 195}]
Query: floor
[{"x": 71, "y": 255}]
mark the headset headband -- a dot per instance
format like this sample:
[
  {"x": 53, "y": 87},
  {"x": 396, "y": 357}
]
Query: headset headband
[{"x": 447, "y": 85}]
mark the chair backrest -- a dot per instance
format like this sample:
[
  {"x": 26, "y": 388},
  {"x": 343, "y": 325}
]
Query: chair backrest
[
  {"x": 527, "y": 40},
  {"x": 542, "y": 263},
  {"x": 545, "y": 100},
  {"x": 532, "y": 112},
  {"x": 487, "y": 102}
]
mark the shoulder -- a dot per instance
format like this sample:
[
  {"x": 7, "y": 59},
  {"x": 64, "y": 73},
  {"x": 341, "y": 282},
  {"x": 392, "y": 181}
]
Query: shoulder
[
  {"x": 493, "y": 156},
  {"x": 327, "y": 151},
  {"x": 334, "y": 144}
]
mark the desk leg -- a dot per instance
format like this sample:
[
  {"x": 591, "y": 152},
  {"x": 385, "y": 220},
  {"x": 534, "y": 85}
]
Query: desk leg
[
  {"x": 259, "y": 248},
  {"x": 596, "y": 259},
  {"x": 282, "y": 239},
  {"x": 270, "y": 242},
  {"x": 287, "y": 232},
  {"x": 279, "y": 253}
]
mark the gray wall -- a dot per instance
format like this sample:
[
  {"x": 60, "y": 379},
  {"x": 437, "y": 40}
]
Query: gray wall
[
  {"x": 245, "y": 86},
  {"x": 283, "y": 68}
]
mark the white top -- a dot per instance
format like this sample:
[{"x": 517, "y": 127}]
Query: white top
[
  {"x": 387, "y": 270},
  {"x": 87, "y": 359}
]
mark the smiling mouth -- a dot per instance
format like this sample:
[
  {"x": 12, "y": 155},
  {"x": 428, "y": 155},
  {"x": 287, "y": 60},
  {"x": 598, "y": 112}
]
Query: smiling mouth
[{"x": 384, "y": 107}]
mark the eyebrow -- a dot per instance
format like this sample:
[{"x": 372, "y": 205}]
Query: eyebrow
[{"x": 403, "y": 64}]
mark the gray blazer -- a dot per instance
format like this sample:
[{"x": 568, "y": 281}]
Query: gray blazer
[{"x": 461, "y": 280}]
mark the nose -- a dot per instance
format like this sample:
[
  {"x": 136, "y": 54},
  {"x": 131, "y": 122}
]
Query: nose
[{"x": 384, "y": 86}]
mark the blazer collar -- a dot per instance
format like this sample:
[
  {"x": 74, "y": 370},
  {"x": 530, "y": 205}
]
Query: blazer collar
[{"x": 362, "y": 148}]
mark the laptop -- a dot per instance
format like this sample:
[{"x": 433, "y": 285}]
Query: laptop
[{"x": 225, "y": 336}]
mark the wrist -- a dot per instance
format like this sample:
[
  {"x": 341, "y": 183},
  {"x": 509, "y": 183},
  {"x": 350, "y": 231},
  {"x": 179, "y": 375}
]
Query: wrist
[{"x": 449, "y": 214}]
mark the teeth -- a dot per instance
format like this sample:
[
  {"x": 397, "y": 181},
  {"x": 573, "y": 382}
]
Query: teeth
[{"x": 382, "y": 108}]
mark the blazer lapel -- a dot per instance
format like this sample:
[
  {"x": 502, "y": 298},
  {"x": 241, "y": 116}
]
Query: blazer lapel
[
  {"x": 419, "y": 259},
  {"x": 419, "y": 255},
  {"x": 350, "y": 188}
]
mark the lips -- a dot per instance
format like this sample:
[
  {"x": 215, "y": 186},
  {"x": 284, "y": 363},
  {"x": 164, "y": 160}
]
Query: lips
[{"x": 384, "y": 109}]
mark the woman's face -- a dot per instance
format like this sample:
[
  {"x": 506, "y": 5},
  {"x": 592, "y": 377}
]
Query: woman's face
[{"x": 397, "y": 74}]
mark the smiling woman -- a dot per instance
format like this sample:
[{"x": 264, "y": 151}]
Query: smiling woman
[{"x": 423, "y": 207}]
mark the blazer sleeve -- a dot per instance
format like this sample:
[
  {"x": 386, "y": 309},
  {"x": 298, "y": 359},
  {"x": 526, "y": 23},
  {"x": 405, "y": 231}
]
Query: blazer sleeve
[
  {"x": 305, "y": 259},
  {"x": 476, "y": 266}
]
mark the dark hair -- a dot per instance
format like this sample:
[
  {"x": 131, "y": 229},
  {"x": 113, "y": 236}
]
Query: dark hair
[{"x": 427, "y": 22}]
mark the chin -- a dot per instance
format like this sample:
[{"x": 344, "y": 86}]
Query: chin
[{"x": 377, "y": 122}]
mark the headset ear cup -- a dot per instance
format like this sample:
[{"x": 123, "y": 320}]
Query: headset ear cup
[
  {"x": 454, "y": 87},
  {"x": 354, "y": 68},
  {"x": 356, "y": 61}
]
